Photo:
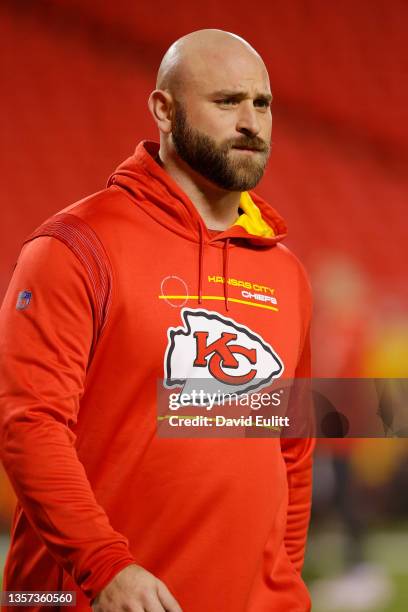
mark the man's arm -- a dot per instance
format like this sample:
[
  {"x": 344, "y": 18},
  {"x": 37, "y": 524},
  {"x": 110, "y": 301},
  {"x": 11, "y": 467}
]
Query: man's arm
[
  {"x": 297, "y": 453},
  {"x": 44, "y": 353}
]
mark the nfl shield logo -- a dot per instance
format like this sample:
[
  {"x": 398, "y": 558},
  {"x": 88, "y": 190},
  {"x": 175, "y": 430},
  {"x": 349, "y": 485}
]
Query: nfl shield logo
[{"x": 23, "y": 300}]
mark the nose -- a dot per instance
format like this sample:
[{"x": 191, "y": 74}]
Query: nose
[{"x": 248, "y": 120}]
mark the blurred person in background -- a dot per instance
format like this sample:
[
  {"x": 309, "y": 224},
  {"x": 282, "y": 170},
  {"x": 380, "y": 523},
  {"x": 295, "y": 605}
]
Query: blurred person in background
[
  {"x": 356, "y": 480},
  {"x": 105, "y": 507}
]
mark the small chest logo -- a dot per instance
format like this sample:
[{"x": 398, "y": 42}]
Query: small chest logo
[
  {"x": 215, "y": 352},
  {"x": 23, "y": 300}
]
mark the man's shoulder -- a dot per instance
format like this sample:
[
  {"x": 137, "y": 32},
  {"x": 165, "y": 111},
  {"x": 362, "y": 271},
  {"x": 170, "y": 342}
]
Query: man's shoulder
[
  {"x": 98, "y": 208},
  {"x": 97, "y": 214},
  {"x": 286, "y": 256},
  {"x": 289, "y": 255},
  {"x": 87, "y": 226},
  {"x": 294, "y": 270}
]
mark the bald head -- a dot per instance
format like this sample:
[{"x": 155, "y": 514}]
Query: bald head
[
  {"x": 212, "y": 107},
  {"x": 201, "y": 55}
]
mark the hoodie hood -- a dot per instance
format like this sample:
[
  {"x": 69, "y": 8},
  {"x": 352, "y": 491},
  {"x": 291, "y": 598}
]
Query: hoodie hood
[
  {"x": 158, "y": 194},
  {"x": 153, "y": 189}
]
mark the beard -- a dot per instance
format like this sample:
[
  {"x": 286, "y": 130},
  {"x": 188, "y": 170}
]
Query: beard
[{"x": 214, "y": 161}]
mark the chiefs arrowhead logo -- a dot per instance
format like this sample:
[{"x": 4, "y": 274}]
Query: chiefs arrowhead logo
[{"x": 213, "y": 351}]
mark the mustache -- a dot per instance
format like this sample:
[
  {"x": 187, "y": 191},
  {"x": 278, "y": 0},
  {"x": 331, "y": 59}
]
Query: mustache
[{"x": 253, "y": 144}]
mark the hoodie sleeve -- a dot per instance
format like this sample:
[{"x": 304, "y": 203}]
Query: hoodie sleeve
[
  {"x": 46, "y": 335},
  {"x": 298, "y": 451}
]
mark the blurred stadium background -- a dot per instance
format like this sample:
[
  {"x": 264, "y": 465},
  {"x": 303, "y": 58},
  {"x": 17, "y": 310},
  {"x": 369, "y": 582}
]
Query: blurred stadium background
[{"x": 75, "y": 79}]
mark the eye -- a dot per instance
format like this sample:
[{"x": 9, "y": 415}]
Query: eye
[
  {"x": 227, "y": 101},
  {"x": 262, "y": 103}
]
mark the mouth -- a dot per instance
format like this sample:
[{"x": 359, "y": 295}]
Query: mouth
[{"x": 247, "y": 149}]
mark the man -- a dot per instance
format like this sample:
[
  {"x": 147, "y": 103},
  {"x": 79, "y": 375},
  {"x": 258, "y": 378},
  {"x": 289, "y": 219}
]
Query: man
[{"x": 107, "y": 508}]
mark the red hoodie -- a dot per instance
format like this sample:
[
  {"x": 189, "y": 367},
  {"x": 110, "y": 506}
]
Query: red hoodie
[{"x": 85, "y": 327}]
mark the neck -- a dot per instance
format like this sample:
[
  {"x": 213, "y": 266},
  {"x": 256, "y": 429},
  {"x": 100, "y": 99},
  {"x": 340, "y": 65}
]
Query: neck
[{"x": 217, "y": 207}]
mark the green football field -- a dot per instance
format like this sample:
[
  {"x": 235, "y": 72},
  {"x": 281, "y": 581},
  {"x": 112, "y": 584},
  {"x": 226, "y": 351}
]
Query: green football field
[{"x": 385, "y": 547}]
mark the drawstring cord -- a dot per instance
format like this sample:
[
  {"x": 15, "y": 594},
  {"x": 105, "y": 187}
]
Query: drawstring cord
[
  {"x": 200, "y": 264},
  {"x": 225, "y": 271},
  {"x": 225, "y": 260}
]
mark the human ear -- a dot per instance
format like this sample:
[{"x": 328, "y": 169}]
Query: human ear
[{"x": 161, "y": 106}]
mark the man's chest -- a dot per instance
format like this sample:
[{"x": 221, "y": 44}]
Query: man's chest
[{"x": 180, "y": 312}]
